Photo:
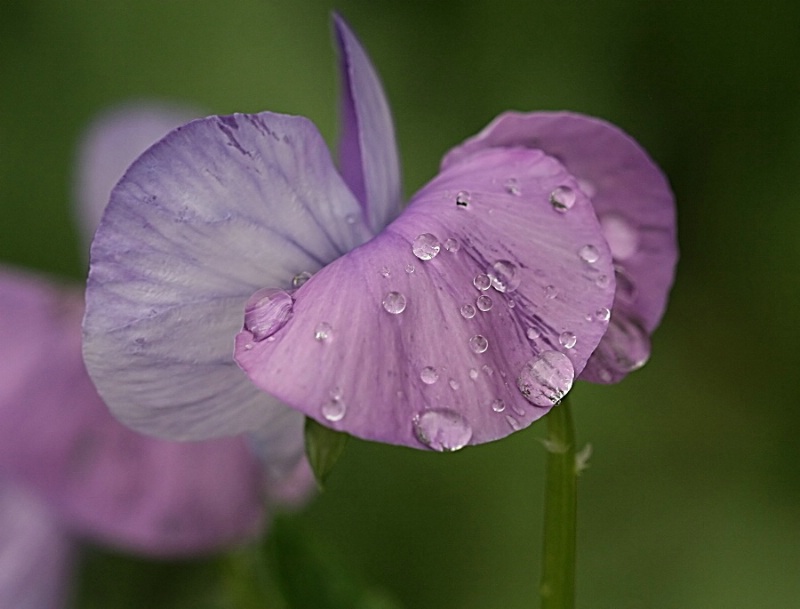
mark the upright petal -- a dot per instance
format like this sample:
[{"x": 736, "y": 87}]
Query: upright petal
[
  {"x": 368, "y": 157},
  {"x": 219, "y": 208},
  {"x": 110, "y": 145},
  {"x": 102, "y": 479},
  {"x": 463, "y": 321},
  {"x": 636, "y": 209},
  {"x": 35, "y": 554}
]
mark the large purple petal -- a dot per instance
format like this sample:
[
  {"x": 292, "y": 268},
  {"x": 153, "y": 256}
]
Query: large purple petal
[
  {"x": 104, "y": 480},
  {"x": 403, "y": 341},
  {"x": 110, "y": 145},
  {"x": 35, "y": 554},
  {"x": 368, "y": 155},
  {"x": 214, "y": 211},
  {"x": 636, "y": 210}
]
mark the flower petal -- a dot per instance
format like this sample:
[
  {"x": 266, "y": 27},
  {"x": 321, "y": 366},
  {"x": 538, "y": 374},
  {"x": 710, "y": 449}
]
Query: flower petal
[
  {"x": 368, "y": 155},
  {"x": 106, "y": 481},
  {"x": 636, "y": 210},
  {"x": 110, "y": 145},
  {"x": 217, "y": 209},
  {"x": 378, "y": 346}
]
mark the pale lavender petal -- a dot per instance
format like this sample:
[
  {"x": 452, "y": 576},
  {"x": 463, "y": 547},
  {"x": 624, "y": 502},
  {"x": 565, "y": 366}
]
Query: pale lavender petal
[
  {"x": 636, "y": 210},
  {"x": 219, "y": 208},
  {"x": 368, "y": 156},
  {"x": 379, "y": 346},
  {"x": 111, "y": 143},
  {"x": 35, "y": 554},
  {"x": 104, "y": 480}
]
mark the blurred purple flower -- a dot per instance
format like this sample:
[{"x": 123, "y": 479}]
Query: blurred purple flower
[
  {"x": 68, "y": 469},
  {"x": 457, "y": 322}
]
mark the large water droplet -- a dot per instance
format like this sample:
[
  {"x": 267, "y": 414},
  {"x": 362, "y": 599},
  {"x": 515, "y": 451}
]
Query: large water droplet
[
  {"x": 567, "y": 339},
  {"x": 484, "y": 303},
  {"x": 452, "y": 245},
  {"x": 467, "y": 311},
  {"x": 562, "y": 198},
  {"x": 266, "y": 312},
  {"x": 482, "y": 282},
  {"x": 394, "y": 303},
  {"x": 442, "y": 429},
  {"x": 429, "y": 375},
  {"x": 463, "y": 199},
  {"x": 498, "y": 405},
  {"x": 323, "y": 332},
  {"x": 546, "y": 379},
  {"x": 625, "y": 346},
  {"x": 300, "y": 279},
  {"x": 426, "y": 246},
  {"x": 335, "y": 408},
  {"x": 589, "y": 254},
  {"x": 622, "y": 237},
  {"x": 503, "y": 276},
  {"x": 478, "y": 343}
]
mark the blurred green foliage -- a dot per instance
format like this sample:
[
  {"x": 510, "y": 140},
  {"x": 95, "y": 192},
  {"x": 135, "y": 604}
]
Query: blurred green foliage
[{"x": 693, "y": 494}]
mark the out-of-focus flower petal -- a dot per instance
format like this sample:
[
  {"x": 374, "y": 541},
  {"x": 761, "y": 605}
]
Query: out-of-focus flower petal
[
  {"x": 104, "y": 480},
  {"x": 214, "y": 211},
  {"x": 636, "y": 209},
  {"x": 110, "y": 145},
  {"x": 368, "y": 155},
  {"x": 35, "y": 554},
  {"x": 433, "y": 333}
]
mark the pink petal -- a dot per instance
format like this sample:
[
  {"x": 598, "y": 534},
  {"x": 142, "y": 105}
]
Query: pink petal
[
  {"x": 368, "y": 155},
  {"x": 636, "y": 210},
  {"x": 377, "y": 345}
]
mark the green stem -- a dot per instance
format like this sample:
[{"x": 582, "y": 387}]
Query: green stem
[{"x": 557, "y": 587}]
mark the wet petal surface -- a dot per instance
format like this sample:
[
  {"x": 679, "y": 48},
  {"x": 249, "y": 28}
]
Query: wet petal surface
[{"x": 427, "y": 374}]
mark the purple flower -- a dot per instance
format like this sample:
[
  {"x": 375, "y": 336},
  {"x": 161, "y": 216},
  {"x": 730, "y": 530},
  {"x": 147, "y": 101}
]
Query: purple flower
[
  {"x": 543, "y": 249},
  {"x": 68, "y": 469}
]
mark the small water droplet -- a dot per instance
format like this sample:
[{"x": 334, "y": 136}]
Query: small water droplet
[
  {"x": 503, "y": 276},
  {"x": 532, "y": 333},
  {"x": 323, "y": 332},
  {"x": 266, "y": 312},
  {"x": 334, "y": 409},
  {"x": 622, "y": 237},
  {"x": 453, "y": 384},
  {"x": 498, "y": 405},
  {"x": 602, "y": 314},
  {"x": 550, "y": 292},
  {"x": 300, "y": 279},
  {"x": 351, "y": 219},
  {"x": 442, "y": 429},
  {"x": 512, "y": 187},
  {"x": 249, "y": 346},
  {"x": 602, "y": 281},
  {"x": 429, "y": 375},
  {"x": 518, "y": 409},
  {"x": 589, "y": 254},
  {"x": 511, "y": 303},
  {"x": 478, "y": 344},
  {"x": 513, "y": 423},
  {"x": 562, "y": 198},
  {"x": 410, "y": 269},
  {"x": 385, "y": 272},
  {"x": 482, "y": 282},
  {"x": 463, "y": 199},
  {"x": 426, "y": 246},
  {"x": 487, "y": 370},
  {"x": 467, "y": 311},
  {"x": 473, "y": 373},
  {"x": 546, "y": 379},
  {"x": 394, "y": 303},
  {"x": 567, "y": 339},
  {"x": 483, "y": 302},
  {"x": 452, "y": 245}
]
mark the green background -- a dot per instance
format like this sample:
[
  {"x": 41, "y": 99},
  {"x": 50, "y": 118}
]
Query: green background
[{"x": 693, "y": 494}]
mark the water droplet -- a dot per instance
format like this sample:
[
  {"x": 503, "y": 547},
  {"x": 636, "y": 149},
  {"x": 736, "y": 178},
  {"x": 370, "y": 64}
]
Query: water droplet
[
  {"x": 452, "y": 245},
  {"x": 567, "y": 339},
  {"x": 602, "y": 314},
  {"x": 473, "y": 373},
  {"x": 463, "y": 199},
  {"x": 385, "y": 272},
  {"x": 487, "y": 370},
  {"x": 478, "y": 344},
  {"x": 533, "y": 333},
  {"x": 512, "y": 187},
  {"x": 266, "y": 312},
  {"x": 467, "y": 311},
  {"x": 562, "y": 198},
  {"x": 622, "y": 237},
  {"x": 503, "y": 276},
  {"x": 498, "y": 405},
  {"x": 394, "y": 303},
  {"x": 511, "y": 303},
  {"x": 550, "y": 292},
  {"x": 546, "y": 379},
  {"x": 602, "y": 281},
  {"x": 625, "y": 347},
  {"x": 442, "y": 429},
  {"x": 249, "y": 346},
  {"x": 482, "y": 282},
  {"x": 426, "y": 246},
  {"x": 334, "y": 409},
  {"x": 484, "y": 303},
  {"x": 410, "y": 269},
  {"x": 589, "y": 254},
  {"x": 323, "y": 332},
  {"x": 518, "y": 410},
  {"x": 513, "y": 423},
  {"x": 429, "y": 375},
  {"x": 300, "y": 279},
  {"x": 351, "y": 219},
  {"x": 453, "y": 384}
]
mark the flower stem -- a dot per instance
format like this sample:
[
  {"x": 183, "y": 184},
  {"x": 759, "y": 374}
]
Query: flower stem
[{"x": 557, "y": 587}]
